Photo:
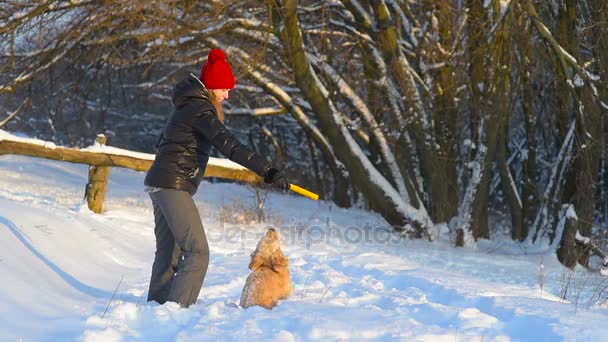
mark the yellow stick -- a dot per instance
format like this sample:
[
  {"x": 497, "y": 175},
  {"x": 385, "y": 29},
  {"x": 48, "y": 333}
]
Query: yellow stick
[{"x": 303, "y": 192}]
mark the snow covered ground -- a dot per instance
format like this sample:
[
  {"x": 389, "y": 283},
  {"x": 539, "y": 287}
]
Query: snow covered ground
[{"x": 354, "y": 280}]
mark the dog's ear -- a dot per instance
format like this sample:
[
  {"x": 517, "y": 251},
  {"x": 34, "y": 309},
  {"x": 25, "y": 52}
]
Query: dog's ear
[
  {"x": 279, "y": 259},
  {"x": 256, "y": 261}
]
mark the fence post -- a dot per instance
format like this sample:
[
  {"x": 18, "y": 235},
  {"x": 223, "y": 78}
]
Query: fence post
[{"x": 98, "y": 180}]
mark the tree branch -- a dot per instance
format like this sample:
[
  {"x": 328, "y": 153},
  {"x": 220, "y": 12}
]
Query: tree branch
[
  {"x": 564, "y": 57},
  {"x": 17, "y": 112},
  {"x": 255, "y": 111}
]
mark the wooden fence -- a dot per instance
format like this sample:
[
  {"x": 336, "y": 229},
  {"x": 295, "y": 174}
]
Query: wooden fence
[{"x": 101, "y": 158}]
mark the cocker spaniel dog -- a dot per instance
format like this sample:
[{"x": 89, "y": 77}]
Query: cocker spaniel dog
[{"x": 269, "y": 279}]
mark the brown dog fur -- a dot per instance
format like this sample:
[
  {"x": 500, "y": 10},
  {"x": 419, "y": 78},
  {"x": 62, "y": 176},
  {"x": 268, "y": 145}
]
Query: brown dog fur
[{"x": 269, "y": 279}]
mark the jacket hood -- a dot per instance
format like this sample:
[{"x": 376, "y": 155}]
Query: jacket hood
[{"x": 190, "y": 88}]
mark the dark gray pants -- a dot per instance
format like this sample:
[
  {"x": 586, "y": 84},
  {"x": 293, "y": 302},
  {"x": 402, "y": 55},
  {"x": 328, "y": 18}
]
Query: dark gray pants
[{"x": 182, "y": 252}]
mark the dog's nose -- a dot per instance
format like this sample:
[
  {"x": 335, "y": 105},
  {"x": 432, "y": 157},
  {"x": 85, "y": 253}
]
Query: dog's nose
[{"x": 271, "y": 229}]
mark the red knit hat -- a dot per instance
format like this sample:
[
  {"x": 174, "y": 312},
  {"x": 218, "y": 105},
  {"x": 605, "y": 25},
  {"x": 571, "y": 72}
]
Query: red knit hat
[{"x": 216, "y": 73}]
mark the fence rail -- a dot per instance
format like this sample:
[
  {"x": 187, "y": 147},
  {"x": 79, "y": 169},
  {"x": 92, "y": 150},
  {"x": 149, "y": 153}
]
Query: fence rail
[{"x": 101, "y": 158}]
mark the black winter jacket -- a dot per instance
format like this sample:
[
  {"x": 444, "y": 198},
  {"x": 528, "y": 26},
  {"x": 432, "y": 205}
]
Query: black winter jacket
[{"x": 183, "y": 148}]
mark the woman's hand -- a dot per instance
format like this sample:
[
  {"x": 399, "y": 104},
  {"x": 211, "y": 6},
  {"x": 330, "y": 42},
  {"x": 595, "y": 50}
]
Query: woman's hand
[{"x": 277, "y": 179}]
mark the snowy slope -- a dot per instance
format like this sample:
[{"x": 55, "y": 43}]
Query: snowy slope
[{"x": 354, "y": 280}]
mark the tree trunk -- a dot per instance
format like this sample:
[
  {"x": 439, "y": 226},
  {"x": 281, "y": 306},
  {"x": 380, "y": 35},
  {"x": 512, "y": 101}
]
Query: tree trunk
[
  {"x": 599, "y": 32},
  {"x": 466, "y": 234},
  {"x": 385, "y": 106},
  {"x": 529, "y": 187},
  {"x": 502, "y": 91},
  {"x": 585, "y": 174},
  {"x": 375, "y": 187},
  {"x": 442, "y": 181},
  {"x": 545, "y": 223},
  {"x": 584, "y": 178},
  {"x": 566, "y": 26},
  {"x": 476, "y": 50},
  {"x": 483, "y": 152},
  {"x": 568, "y": 252},
  {"x": 377, "y": 97},
  {"x": 438, "y": 169}
]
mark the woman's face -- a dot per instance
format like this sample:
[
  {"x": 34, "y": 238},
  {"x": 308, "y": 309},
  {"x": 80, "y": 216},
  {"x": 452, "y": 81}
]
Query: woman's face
[{"x": 220, "y": 94}]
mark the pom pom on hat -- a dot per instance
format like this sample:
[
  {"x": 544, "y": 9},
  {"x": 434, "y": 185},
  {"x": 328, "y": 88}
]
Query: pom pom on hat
[
  {"x": 216, "y": 55},
  {"x": 216, "y": 73}
]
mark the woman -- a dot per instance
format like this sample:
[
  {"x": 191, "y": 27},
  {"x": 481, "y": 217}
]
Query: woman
[{"x": 182, "y": 152}]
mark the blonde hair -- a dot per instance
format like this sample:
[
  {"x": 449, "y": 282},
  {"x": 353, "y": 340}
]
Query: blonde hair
[{"x": 217, "y": 105}]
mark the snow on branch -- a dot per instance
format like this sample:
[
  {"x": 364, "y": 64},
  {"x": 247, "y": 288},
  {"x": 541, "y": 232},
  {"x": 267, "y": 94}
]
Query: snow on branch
[
  {"x": 405, "y": 22},
  {"x": 158, "y": 82},
  {"x": 185, "y": 33},
  {"x": 21, "y": 15},
  {"x": 582, "y": 239},
  {"x": 262, "y": 37},
  {"x": 232, "y": 23},
  {"x": 322, "y": 32},
  {"x": 255, "y": 111},
  {"x": 563, "y": 55},
  {"x": 561, "y": 165},
  {"x": 505, "y": 9},
  {"x": 358, "y": 104},
  {"x": 566, "y": 214},
  {"x": 16, "y": 112},
  {"x": 26, "y": 76},
  {"x": 587, "y": 242},
  {"x": 363, "y": 36},
  {"x": 361, "y": 15},
  {"x": 63, "y": 46},
  {"x": 465, "y": 214}
]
